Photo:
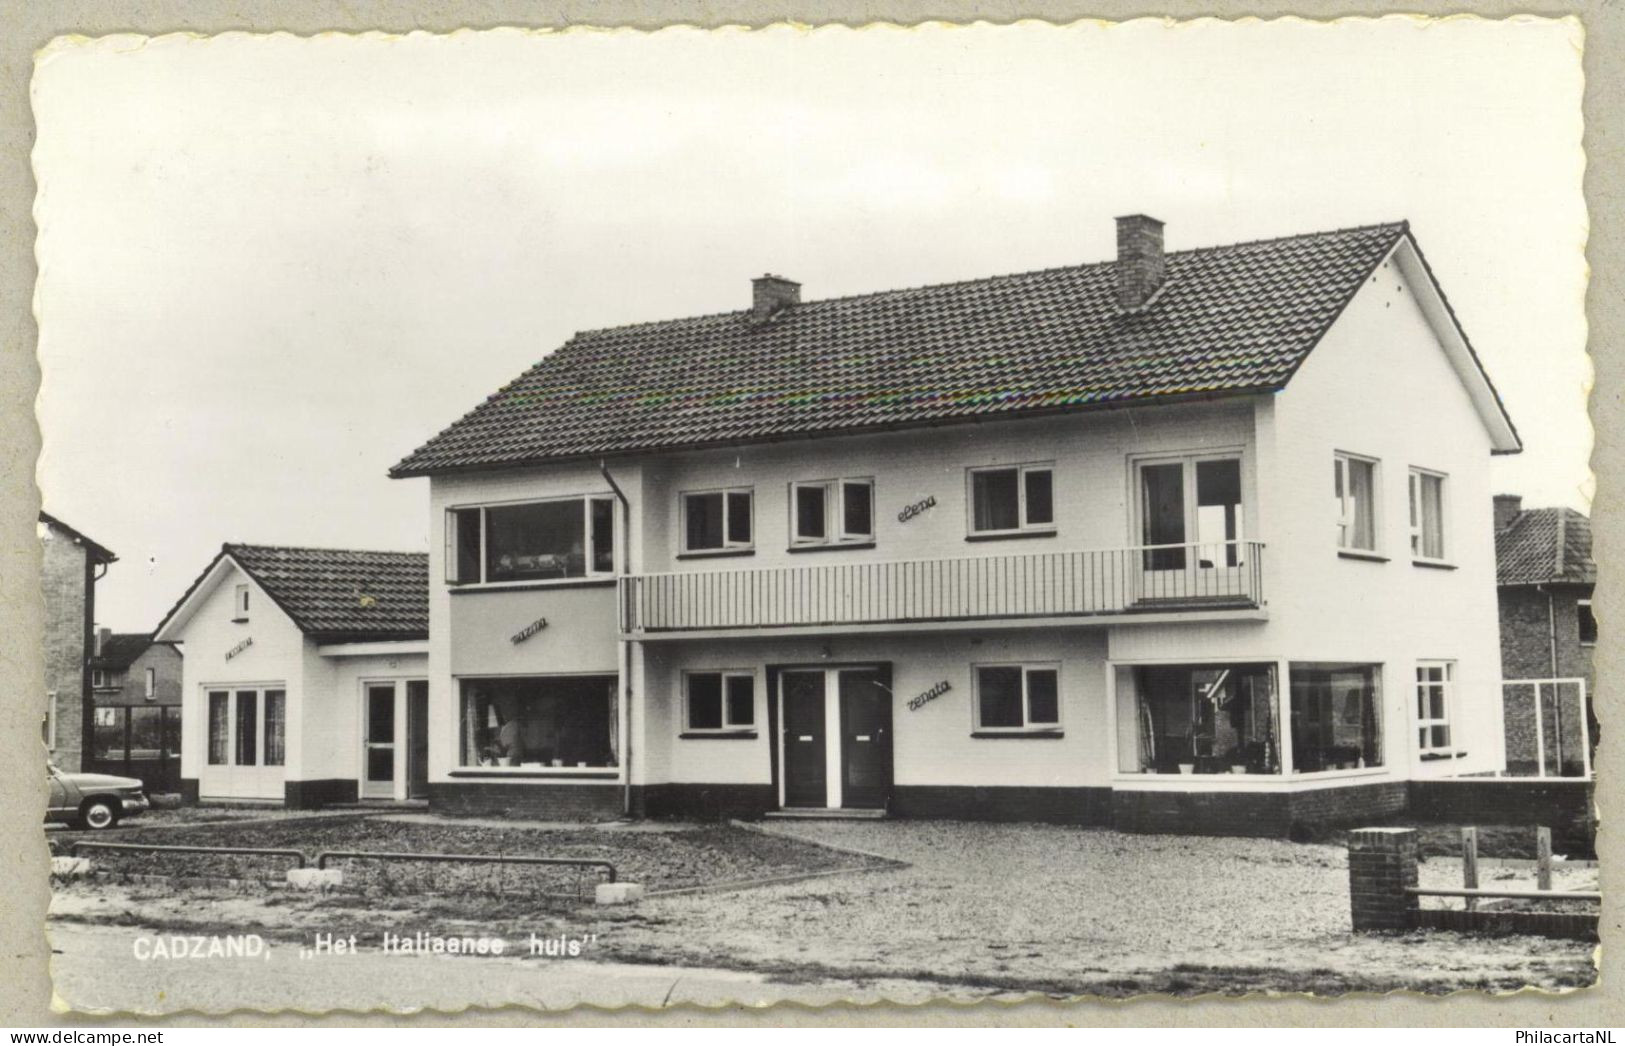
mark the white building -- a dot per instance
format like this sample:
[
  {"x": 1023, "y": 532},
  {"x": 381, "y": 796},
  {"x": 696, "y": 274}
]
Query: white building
[
  {"x": 306, "y": 676},
  {"x": 1195, "y": 541}
]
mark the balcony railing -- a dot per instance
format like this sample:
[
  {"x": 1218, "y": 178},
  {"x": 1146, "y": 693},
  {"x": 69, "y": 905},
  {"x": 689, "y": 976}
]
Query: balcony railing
[{"x": 1088, "y": 583}]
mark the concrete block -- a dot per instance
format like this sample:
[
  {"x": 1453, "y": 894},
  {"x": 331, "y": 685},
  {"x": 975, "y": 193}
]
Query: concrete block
[
  {"x": 71, "y": 867},
  {"x": 315, "y": 878},
  {"x": 618, "y": 893}
]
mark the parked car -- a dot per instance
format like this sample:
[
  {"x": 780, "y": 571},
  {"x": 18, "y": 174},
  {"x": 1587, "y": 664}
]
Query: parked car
[{"x": 93, "y": 801}]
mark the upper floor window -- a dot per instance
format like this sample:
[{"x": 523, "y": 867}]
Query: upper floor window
[
  {"x": 1588, "y": 623},
  {"x": 1356, "y": 484},
  {"x": 1435, "y": 681},
  {"x": 1018, "y": 698},
  {"x": 832, "y": 511},
  {"x": 98, "y": 678},
  {"x": 239, "y": 604},
  {"x": 1427, "y": 514},
  {"x": 1190, "y": 512},
  {"x": 535, "y": 541},
  {"x": 719, "y": 702},
  {"x": 1012, "y": 499},
  {"x": 151, "y": 683},
  {"x": 718, "y": 520}
]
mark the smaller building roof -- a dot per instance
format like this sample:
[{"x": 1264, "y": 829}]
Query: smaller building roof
[
  {"x": 1545, "y": 546},
  {"x": 120, "y": 649},
  {"x": 331, "y": 595},
  {"x": 98, "y": 552}
]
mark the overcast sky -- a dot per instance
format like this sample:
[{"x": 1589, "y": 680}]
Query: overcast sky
[{"x": 272, "y": 266}]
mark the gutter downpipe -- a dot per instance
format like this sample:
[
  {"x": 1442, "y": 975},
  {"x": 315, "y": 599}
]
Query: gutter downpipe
[
  {"x": 1557, "y": 702},
  {"x": 623, "y": 651}
]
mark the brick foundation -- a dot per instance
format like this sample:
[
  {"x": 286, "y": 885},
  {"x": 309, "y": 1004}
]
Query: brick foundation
[
  {"x": 311, "y": 795},
  {"x": 189, "y": 791},
  {"x": 541, "y": 801},
  {"x": 704, "y": 802},
  {"x": 1259, "y": 814},
  {"x": 1089, "y": 806}
]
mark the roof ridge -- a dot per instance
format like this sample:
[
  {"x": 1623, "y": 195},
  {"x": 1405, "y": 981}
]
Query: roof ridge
[
  {"x": 1562, "y": 538},
  {"x": 1403, "y": 225},
  {"x": 233, "y": 546}
]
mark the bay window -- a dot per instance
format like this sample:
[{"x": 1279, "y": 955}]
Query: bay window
[
  {"x": 539, "y": 722},
  {"x": 1012, "y": 499},
  {"x": 551, "y": 540},
  {"x": 1198, "y": 719},
  {"x": 717, "y": 521},
  {"x": 1017, "y": 698},
  {"x": 1336, "y": 716},
  {"x": 832, "y": 512}
]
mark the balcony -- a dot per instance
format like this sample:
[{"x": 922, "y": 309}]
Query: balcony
[{"x": 1149, "y": 583}]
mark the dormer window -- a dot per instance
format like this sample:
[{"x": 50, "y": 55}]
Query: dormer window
[{"x": 240, "y": 604}]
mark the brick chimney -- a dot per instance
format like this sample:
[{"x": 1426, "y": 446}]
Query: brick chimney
[
  {"x": 1507, "y": 507},
  {"x": 1139, "y": 260},
  {"x": 770, "y": 295},
  {"x": 102, "y": 636}
]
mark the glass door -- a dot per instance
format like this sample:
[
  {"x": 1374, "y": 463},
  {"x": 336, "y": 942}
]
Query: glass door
[
  {"x": 1190, "y": 522},
  {"x": 378, "y": 758}
]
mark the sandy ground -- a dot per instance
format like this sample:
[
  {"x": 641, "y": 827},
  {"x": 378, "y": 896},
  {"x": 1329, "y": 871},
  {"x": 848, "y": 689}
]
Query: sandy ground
[{"x": 982, "y": 908}]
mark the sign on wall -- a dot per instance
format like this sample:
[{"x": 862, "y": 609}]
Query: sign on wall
[
  {"x": 239, "y": 648},
  {"x": 918, "y": 507},
  {"x": 916, "y": 703},
  {"x": 529, "y": 630}
]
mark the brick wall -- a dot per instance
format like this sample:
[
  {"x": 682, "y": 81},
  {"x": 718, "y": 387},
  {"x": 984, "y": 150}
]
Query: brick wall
[
  {"x": 1526, "y": 653},
  {"x": 64, "y": 587},
  {"x": 536, "y": 802},
  {"x": 132, "y": 688},
  {"x": 1382, "y": 864},
  {"x": 1091, "y": 806},
  {"x": 1262, "y": 814},
  {"x": 705, "y": 802}
]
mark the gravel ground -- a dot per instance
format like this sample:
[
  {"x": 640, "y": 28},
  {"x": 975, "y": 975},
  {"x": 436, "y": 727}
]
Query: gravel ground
[{"x": 678, "y": 859}]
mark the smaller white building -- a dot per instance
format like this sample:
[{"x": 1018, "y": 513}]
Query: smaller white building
[{"x": 306, "y": 676}]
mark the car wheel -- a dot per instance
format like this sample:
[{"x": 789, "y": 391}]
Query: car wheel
[{"x": 98, "y": 814}]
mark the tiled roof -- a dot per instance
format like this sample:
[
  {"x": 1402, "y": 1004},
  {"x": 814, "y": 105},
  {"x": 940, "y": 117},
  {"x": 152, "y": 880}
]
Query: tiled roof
[
  {"x": 121, "y": 648},
  {"x": 98, "y": 552},
  {"x": 1227, "y": 320},
  {"x": 340, "y": 596},
  {"x": 1545, "y": 546}
]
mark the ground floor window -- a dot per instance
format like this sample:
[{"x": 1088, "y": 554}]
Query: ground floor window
[
  {"x": 1336, "y": 716},
  {"x": 1018, "y": 698},
  {"x": 540, "y": 721},
  {"x": 719, "y": 701},
  {"x": 247, "y": 727},
  {"x": 1198, "y": 719},
  {"x": 137, "y": 741}
]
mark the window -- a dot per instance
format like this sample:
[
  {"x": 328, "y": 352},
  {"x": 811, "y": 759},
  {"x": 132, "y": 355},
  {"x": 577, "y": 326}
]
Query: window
[
  {"x": 1198, "y": 719},
  {"x": 48, "y": 724},
  {"x": 239, "y": 606},
  {"x": 719, "y": 702},
  {"x": 832, "y": 511},
  {"x": 98, "y": 678},
  {"x": 1018, "y": 698},
  {"x": 275, "y": 719},
  {"x": 1192, "y": 507},
  {"x": 107, "y": 735},
  {"x": 151, "y": 683},
  {"x": 1012, "y": 499},
  {"x": 1588, "y": 623},
  {"x": 717, "y": 521},
  {"x": 1356, "y": 484},
  {"x": 1336, "y": 717},
  {"x": 219, "y": 726},
  {"x": 247, "y": 751},
  {"x": 1435, "y": 685},
  {"x": 535, "y": 541},
  {"x": 1427, "y": 514},
  {"x": 540, "y": 721}
]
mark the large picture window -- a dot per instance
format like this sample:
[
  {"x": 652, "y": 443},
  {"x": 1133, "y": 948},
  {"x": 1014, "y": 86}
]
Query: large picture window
[
  {"x": 1018, "y": 698},
  {"x": 534, "y": 541},
  {"x": 1336, "y": 716},
  {"x": 1198, "y": 719},
  {"x": 717, "y": 521},
  {"x": 539, "y": 722},
  {"x": 247, "y": 727},
  {"x": 1355, "y": 481},
  {"x": 275, "y": 727},
  {"x": 1013, "y": 499}
]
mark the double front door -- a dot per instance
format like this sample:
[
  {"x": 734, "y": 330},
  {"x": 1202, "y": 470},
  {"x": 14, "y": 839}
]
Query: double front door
[{"x": 835, "y": 729}]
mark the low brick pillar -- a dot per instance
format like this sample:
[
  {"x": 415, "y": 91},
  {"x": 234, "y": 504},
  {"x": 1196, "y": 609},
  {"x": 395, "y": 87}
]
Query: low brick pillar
[{"x": 1382, "y": 864}]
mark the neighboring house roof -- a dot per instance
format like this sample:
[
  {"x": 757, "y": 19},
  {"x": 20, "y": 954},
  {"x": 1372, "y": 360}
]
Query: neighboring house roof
[
  {"x": 98, "y": 552},
  {"x": 332, "y": 595},
  {"x": 1545, "y": 546},
  {"x": 120, "y": 649},
  {"x": 1226, "y": 321}
]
